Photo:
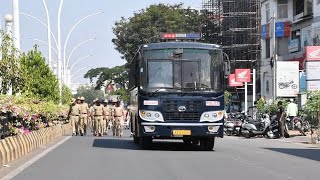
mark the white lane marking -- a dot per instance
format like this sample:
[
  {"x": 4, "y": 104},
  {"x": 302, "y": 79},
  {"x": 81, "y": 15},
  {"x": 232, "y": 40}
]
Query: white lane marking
[{"x": 33, "y": 160}]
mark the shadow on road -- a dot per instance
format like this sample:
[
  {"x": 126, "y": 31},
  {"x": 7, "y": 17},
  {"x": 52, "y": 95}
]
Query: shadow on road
[
  {"x": 312, "y": 154},
  {"x": 129, "y": 145}
]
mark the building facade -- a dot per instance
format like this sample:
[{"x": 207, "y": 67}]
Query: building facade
[{"x": 297, "y": 25}]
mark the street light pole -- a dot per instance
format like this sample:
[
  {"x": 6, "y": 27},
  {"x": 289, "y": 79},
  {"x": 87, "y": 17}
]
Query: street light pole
[
  {"x": 42, "y": 41},
  {"x": 275, "y": 58},
  {"x": 70, "y": 32},
  {"x": 78, "y": 60},
  {"x": 16, "y": 24},
  {"x": 59, "y": 48},
  {"x": 48, "y": 32}
]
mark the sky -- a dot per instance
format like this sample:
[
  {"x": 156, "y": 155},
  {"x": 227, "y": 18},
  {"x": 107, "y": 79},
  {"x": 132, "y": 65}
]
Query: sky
[{"x": 100, "y": 27}]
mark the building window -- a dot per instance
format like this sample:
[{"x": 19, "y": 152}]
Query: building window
[
  {"x": 282, "y": 9},
  {"x": 267, "y": 12},
  {"x": 268, "y": 48},
  {"x": 298, "y": 7}
]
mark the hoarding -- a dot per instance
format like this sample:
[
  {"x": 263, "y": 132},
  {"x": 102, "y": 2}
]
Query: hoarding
[
  {"x": 313, "y": 85},
  {"x": 313, "y": 70},
  {"x": 287, "y": 78},
  {"x": 282, "y": 29},
  {"x": 233, "y": 82},
  {"x": 313, "y": 53},
  {"x": 243, "y": 75}
]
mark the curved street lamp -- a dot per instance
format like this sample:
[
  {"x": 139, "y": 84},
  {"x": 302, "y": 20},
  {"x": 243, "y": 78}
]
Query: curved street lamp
[
  {"x": 78, "y": 60},
  {"x": 70, "y": 32},
  {"x": 42, "y": 41}
]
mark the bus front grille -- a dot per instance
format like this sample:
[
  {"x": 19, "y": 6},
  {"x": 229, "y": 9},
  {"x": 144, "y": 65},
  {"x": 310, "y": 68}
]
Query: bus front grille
[
  {"x": 173, "y": 105},
  {"x": 181, "y": 116}
]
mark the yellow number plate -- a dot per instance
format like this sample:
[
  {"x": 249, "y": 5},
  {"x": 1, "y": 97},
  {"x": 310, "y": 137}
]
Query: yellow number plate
[{"x": 181, "y": 132}]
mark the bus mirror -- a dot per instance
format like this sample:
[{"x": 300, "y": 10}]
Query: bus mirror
[{"x": 227, "y": 68}]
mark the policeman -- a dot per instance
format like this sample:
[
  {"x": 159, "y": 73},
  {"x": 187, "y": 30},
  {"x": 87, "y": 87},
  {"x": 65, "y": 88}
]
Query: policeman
[
  {"x": 119, "y": 119},
  {"x": 107, "y": 116},
  {"x": 91, "y": 117},
  {"x": 83, "y": 122},
  {"x": 73, "y": 116},
  {"x": 98, "y": 118}
]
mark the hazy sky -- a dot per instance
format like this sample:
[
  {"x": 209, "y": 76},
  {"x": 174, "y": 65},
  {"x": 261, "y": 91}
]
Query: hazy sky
[{"x": 102, "y": 49}]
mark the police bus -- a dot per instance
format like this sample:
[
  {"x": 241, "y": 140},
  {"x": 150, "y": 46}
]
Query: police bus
[{"x": 177, "y": 92}]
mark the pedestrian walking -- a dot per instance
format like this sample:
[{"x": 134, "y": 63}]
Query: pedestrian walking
[
  {"x": 292, "y": 112},
  {"x": 107, "y": 116},
  {"x": 119, "y": 115},
  {"x": 281, "y": 118},
  {"x": 98, "y": 118},
  {"x": 83, "y": 122},
  {"x": 91, "y": 118},
  {"x": 73, "y": 116}
]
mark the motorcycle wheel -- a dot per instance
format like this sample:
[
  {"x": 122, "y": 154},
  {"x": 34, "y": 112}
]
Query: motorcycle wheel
[{"x": 270, "y": 134}]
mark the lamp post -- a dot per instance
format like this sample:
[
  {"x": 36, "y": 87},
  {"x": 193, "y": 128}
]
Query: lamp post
[
  {"x": 42, "y": 41},
  {"x": 78, "y": 60},
  {"x": 16, "y": 24}
]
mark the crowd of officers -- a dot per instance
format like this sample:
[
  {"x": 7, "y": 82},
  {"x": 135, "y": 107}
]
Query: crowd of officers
[{"x": 98, "y": 117}]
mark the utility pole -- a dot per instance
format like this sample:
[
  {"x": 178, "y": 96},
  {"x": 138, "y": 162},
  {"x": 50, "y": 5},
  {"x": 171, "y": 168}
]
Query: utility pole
[{"x": 275, "y": 57}]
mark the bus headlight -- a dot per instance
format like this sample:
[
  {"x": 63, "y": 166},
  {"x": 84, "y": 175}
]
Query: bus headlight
[
  {"x": 151, "y": 116},
  {"x": 211, "y": 116}
]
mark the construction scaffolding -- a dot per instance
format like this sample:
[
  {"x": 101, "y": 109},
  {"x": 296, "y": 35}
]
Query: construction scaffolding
[{"x": 235, "y": 24}]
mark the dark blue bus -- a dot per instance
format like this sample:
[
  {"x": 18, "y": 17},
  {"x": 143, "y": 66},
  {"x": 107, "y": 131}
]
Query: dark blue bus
[{"x": 177, "y": 92}]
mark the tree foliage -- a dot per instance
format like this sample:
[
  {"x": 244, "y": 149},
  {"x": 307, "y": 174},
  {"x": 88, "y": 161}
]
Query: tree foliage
[
  {"x": 66, "y": 95},
  {"x": 39, "y": 79},
  {"x": 313, "y": 106},
  {"x": 147, "y": 24},
  {"x": 89, "y": 93},
  {"x": 118, "y": 75},
  {"x": 10, "y": 72}
]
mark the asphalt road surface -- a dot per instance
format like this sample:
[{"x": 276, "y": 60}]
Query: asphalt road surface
[{"x": 81, "y": 158}]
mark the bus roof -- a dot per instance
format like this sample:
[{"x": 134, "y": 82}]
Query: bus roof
[{"x": 165, "y": 45}]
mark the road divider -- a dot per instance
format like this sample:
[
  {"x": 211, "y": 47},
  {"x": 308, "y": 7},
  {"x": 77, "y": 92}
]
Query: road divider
[{"x": 15, "y": 147}]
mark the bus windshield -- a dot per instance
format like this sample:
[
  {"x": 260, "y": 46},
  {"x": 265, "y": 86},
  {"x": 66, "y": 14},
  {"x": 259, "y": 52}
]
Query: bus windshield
[{"x": 192, "y": 70}]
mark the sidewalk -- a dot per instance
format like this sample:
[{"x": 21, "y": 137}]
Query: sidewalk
[{"x": 296, "y": 137}]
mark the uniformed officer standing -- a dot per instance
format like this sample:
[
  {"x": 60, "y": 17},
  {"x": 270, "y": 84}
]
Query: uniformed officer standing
[
  {"x": 91, "y": 117},
  {"x": 98, "y": 118},
  {"x": 73, "y": 116},
  {"x": 119, "y": 119},
  {"x": 107, "y": 116},
  {"x": 83, "y": 122}
]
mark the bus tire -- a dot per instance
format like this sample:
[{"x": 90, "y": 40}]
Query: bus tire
[
  {"x": 207, "y": 144},
  {"x": 145, "y": 142}
]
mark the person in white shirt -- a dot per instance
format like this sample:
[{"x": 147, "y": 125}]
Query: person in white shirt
[{"x": 292, "y": 111}]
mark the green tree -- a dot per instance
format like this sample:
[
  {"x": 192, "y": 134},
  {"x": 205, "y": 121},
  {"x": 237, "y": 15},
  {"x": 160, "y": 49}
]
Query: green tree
[
  {"x": 313, "y": 107},
  {"x": 124, "y": 94},
  {"x": 66, "y": 95},
  {"x": 147, "y": 24},
  {"x": 10, "y": 72},
  {"x": 39, "y": 79},
  {"x": 89, "y": 93}
]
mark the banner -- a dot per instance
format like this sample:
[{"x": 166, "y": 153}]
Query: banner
[
  {"x": 287, "y": 78},
  {"x": 232, "y": 81},
  {"x": 243, "y": 75}
]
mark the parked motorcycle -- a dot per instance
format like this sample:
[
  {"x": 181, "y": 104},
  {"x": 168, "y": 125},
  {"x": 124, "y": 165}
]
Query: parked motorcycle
[
  {"x": 252, "y": 128},
  {"x": 232, "y": 126},
  {"x": 300, "y": 124}
]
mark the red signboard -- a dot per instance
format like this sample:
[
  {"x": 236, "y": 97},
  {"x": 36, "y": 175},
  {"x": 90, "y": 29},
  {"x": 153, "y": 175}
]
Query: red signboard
[
  {"x": 232, "y": 81},
  {"x": 243, "y": 75},
  {"x": 313, "y": 53}
]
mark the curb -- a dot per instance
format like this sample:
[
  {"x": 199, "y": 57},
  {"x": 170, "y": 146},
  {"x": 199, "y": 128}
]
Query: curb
[{"x": 15, "y": 147}]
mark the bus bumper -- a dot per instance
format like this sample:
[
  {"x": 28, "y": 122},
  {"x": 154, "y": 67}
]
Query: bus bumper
[{"x": 166, "y": 130}]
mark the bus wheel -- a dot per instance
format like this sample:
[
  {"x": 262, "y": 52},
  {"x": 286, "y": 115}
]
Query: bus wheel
[
  {"x": 135, "y": 139},
  {"x": 207, "y": 144},
  {"x": 145, "y": 142}
]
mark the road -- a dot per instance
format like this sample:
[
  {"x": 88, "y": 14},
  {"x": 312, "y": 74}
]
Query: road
[{"x": 120, "y": 159}]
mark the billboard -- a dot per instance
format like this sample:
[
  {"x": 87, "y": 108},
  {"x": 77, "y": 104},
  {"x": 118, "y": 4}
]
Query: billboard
[
  {"x": 313, "y": 85},
  {"x": 282, "y": 29},
  {"x": 287, "y": 78},
  {"x": 313, "y": 70},
  {"x": 243, "y": 75},
  {"x": 233, "y": 82}
]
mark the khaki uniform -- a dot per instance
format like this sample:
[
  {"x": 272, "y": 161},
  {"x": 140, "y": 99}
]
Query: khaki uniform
[
  {"x": 74, "y": 113},
  {"x": 83, "y": 122},
  {"x": 107, "y": 118},
  {"x": 119, "y": 120},
  {"x": 98, "y": 118},
  {"x": 91, "y": 119}
]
